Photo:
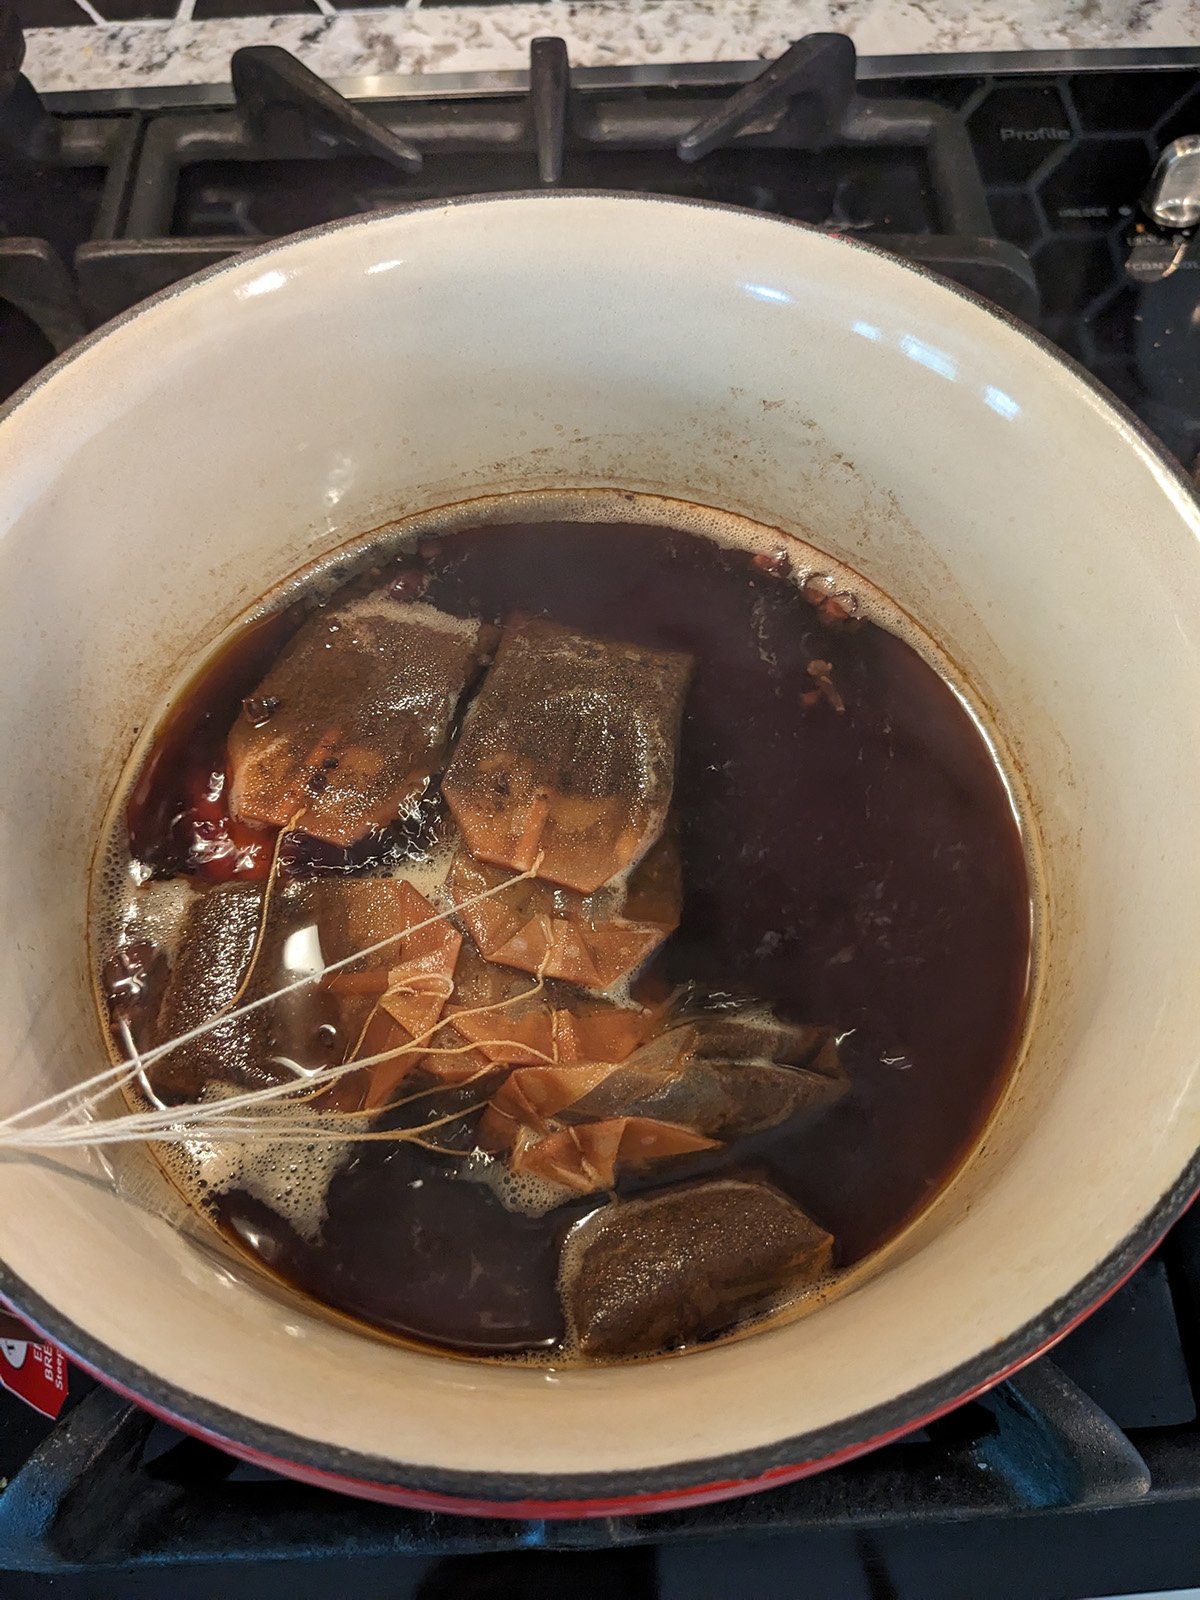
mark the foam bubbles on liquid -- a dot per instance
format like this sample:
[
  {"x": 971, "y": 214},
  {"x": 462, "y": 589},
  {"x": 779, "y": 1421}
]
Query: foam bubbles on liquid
[
  {"x": 428, "y": 874},
  {"x": 523, "y": 1192},
  {"x": 292, "y": 1180}
]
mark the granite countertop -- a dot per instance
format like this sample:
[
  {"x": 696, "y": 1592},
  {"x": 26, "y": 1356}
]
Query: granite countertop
[{"x": 472, "y": 38}]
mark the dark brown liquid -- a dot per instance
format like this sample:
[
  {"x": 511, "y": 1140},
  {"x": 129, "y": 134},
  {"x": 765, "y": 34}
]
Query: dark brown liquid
[{"x": 859, "y": 868}]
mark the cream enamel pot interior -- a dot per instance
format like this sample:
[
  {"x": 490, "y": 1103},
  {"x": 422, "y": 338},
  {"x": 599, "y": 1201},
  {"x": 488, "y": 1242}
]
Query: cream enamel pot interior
[{"x": 172, "y": 468}]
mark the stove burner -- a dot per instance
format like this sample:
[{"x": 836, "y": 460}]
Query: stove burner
[{"x": 122, "y": 1483}]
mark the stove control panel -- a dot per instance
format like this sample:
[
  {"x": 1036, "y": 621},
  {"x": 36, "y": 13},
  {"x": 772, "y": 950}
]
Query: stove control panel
[{"x": 1161, "y": 238}]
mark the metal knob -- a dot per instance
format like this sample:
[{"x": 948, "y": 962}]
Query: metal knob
[{"x": 1173, "y": 198}]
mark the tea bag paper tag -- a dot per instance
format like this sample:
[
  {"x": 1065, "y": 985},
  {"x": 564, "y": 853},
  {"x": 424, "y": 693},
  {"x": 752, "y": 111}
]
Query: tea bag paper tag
[{"x": 35, "y": 1373}]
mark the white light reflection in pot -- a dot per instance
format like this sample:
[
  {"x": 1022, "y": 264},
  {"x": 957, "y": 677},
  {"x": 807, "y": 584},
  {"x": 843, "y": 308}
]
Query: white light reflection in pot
[
  {"x": 265, "y": 283},
  {"x": 1002, "y": 404},
  {"x": 935, "y": 360},
  {"x": 764, "y": 291},
  {"x": 342, "y": 473},
  {"x": 928, "y": 356}
]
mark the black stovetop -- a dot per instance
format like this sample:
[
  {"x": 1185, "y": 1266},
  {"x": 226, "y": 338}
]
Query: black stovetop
[
  {"x": 1018, "y": 176},
  {"x": 1023, "y": 184}
]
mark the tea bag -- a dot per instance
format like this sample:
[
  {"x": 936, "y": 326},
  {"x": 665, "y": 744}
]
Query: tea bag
[
  {"x": 216, "y": 940},
  {"x": 395, "y": 996},
  {"x": 593, "y": 940},
  {"x": 568, "y": 754},
  {"x": 653, "y": 1274},
  {"x": 751, "y": 1032},
  {"x": 530, "y": 1100},
  {"x": 513, "y": 1021},
  {"x": 679, "y": 1077},
  {"x": 392, "y": 997},
  {"x": 585, "y": 1159},
  {"x": 353, "y": 718}
]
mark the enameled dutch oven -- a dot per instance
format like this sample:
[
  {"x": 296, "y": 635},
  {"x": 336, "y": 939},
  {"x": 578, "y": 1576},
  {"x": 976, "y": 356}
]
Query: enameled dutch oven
[{"x": 163, "y": 474}]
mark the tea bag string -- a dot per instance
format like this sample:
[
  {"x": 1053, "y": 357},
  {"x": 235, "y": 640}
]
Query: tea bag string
[
  {"x": 244, "y": 1010},
  {"x": 260, "y": 933},
  {"x": 125, "y": 1031},
  {"x": 213, "y": 1118},
  {"x": 121, "y": 1072}
]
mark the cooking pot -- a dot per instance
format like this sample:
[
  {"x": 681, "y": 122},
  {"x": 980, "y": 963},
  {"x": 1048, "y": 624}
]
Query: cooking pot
[{"x": 163, "y": 474}]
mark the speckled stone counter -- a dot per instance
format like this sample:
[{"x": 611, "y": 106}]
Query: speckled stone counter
[{"x": 471, "y": 38}]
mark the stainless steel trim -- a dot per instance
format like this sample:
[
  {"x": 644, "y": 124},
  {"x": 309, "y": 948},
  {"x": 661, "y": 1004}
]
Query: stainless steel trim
[
  {"x": 459, "y": 85},
  {"x": 1000, "y": 62}
]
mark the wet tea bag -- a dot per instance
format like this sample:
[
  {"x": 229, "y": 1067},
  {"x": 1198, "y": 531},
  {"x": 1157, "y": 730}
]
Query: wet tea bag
[
  {"x": 723, "y": 1099},
  {"x": 680, "y": 1077},
  {"x": 383, "y": 1003},
  {"x": 585, "y": 1159},
  {"x": 593, "y": 940},
  {"x": 512, "y": 1020},
  {"x": 412, "y": 977},
  {"x": 752, "y": 1032},
  {"x": 216, "y": 940},
  {"x": 353, "y": 718},
  {"x": 568, "y": 755},
  {"x": 726, "y": 1073},
  {"x": 645, "y": 1275},
  {"x": 392, "y": 997}
]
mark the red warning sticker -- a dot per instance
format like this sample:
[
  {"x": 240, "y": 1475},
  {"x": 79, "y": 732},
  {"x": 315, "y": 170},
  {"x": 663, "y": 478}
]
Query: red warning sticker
[{"x": 35, "y": 1372}]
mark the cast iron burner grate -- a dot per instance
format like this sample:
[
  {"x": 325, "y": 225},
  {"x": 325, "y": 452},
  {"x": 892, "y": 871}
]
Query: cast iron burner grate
[
  {"x": 797, "y": 141},
  {"x": 61, "y": 183},
  {"x": 1021, "y": 183}
]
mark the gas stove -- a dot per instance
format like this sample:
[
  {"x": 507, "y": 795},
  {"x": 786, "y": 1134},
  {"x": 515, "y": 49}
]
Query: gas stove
[{"x": 1066, "y": 189}]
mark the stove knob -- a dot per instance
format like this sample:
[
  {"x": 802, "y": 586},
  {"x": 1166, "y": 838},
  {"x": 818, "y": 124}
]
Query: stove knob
[{"x": 1173, "y": 198}]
